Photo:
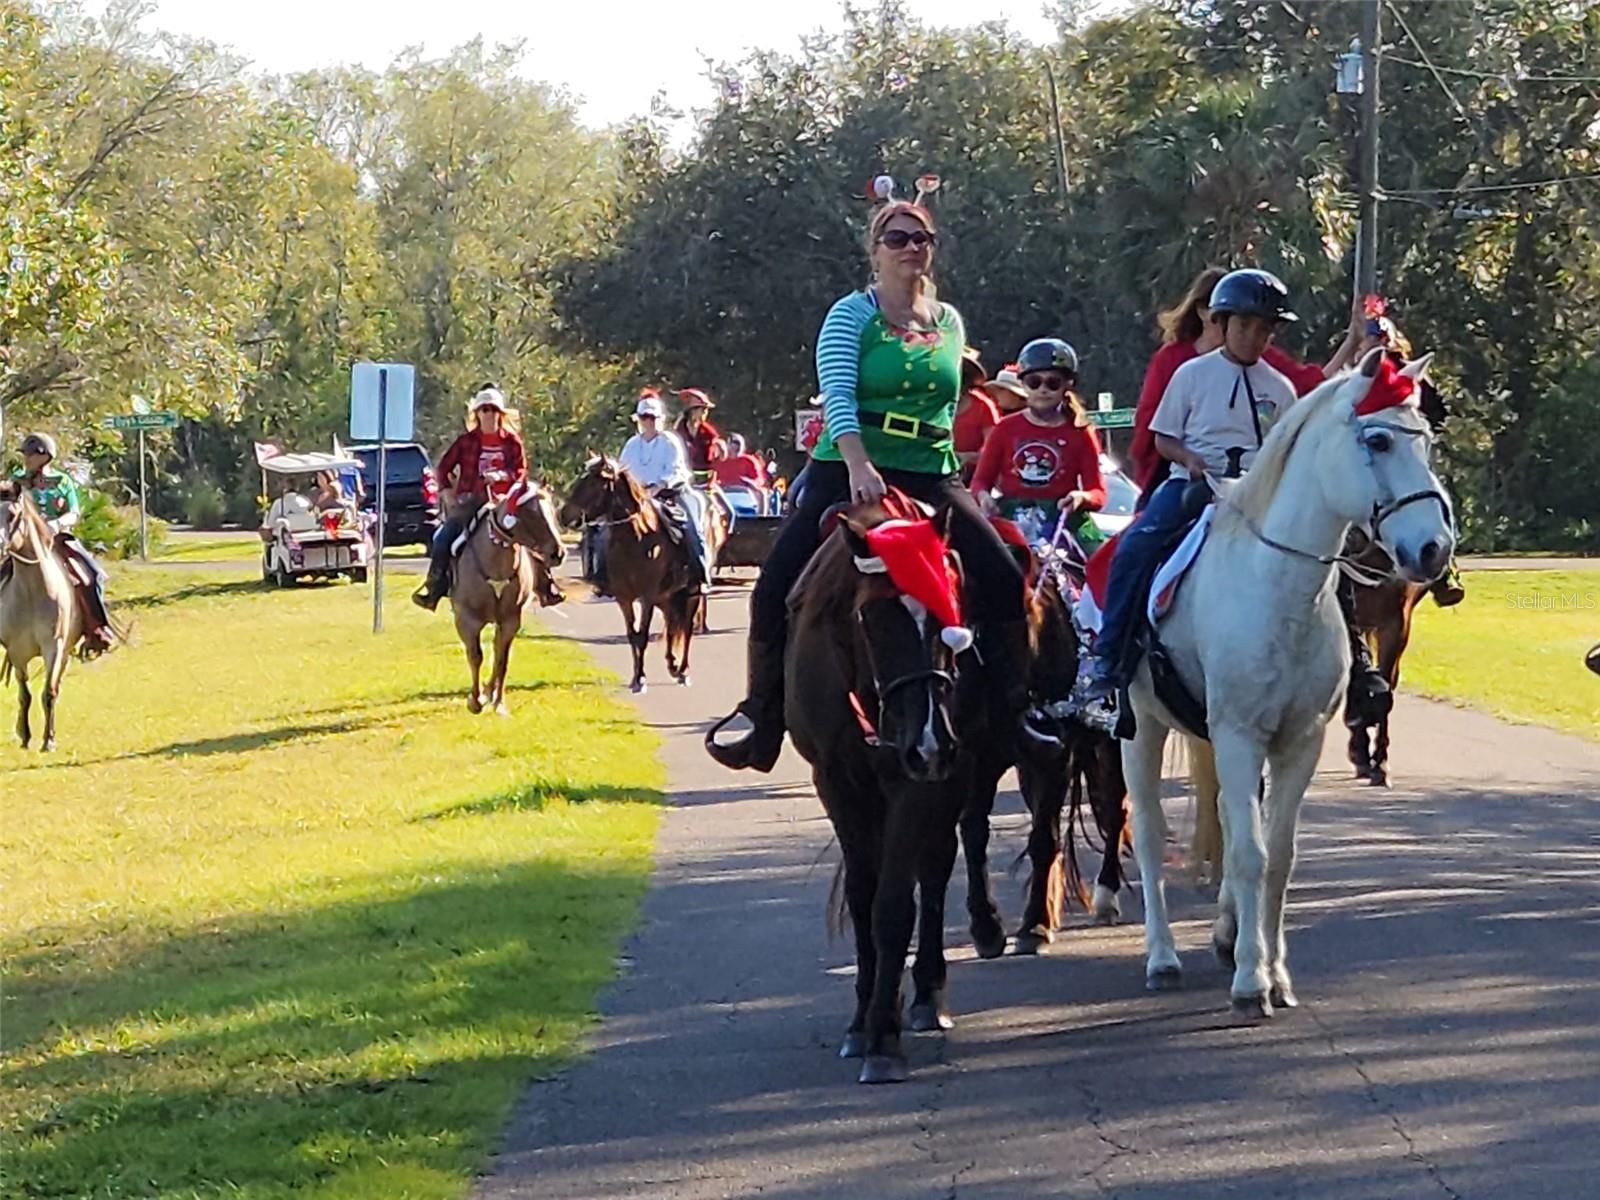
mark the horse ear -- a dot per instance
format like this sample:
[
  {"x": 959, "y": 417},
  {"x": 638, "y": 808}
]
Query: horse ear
[
  {"x": 1417, "y": 368},
  {"x": 855, "y": 537},
  {"x": 941, "y": 522},
  {"x": 1372, "y": 361}
]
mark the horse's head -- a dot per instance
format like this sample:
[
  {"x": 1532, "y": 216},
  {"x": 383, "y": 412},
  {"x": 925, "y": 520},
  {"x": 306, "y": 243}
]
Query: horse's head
[
  {"x": 528, "y": 515},
  {"x": 15, "y": 509},
  {"x": 910, "y": 666},
  {"x": 1378, "y": 475},
  {"x": 596, "y": 494}
]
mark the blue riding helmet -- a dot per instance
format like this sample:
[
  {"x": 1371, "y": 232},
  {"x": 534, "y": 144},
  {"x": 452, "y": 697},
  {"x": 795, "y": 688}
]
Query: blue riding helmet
[{"x": 1251, "y": 293}]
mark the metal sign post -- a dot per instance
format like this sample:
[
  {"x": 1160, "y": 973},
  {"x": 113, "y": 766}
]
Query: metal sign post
[
  {"x": 381, "y": 396},
  {"x": 383, "y": 498},
  {"x": 140, "y": 420}
]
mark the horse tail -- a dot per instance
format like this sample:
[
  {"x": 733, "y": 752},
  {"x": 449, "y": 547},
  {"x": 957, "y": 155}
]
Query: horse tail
[
  {"x": 1073, "y": 880},
  {"x": 838, "y": 911},
  {"x": 1205, "y": 849}
]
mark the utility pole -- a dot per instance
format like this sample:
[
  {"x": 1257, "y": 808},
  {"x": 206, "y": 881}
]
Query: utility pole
[
  {"x": 1367, "y": 232},
  {"x": 1055, "y": 135}
]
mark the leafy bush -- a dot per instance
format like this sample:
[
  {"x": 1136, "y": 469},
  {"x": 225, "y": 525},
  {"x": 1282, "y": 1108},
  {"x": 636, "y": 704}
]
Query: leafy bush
[
  {"x": 204, "y": 505},
  {"x": 113, "y": 531}
]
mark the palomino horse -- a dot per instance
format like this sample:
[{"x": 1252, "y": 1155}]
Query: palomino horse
[
  {"x": 869, "y": 692},
  {"x": 39, "y": 615},
  {"x": 1383, "y": 617},
  {"x": 645, "y": 565},
  {"x": 1085, "y": 765},
  {"x": 511, "y": 548},
  {"x": 1256, "y": 632}
]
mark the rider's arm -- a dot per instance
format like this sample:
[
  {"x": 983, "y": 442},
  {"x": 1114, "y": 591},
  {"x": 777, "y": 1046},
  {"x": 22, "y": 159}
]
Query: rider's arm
[
  {"x": 1171, "y": 416},
  {"x": 838, "y": 367},
  {"x": 516, "y": 458},
  {"x": 991, "y": 460},
  {"x": 72, "y": 507},
  {"x": 1146, "y": 459},
  {"x": 677, "y": 472},
  {"x": 1174, "y": 450},
  {"x": 449, "y": 468}
]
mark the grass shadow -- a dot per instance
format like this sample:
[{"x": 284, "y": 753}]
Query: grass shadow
[
  {"x": 534, "y": 794},
  {"x": 193, "y": 591},
  {"x": 376, "y": 1041}
]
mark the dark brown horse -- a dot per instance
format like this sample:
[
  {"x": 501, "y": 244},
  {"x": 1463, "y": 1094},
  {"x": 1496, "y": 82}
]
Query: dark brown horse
[
  {"x": 646, "y": 566},
  {"x": 1085, "y": 765},
  {"x": 870, "y": 696},
  {"x": 1383, "y": 617}
]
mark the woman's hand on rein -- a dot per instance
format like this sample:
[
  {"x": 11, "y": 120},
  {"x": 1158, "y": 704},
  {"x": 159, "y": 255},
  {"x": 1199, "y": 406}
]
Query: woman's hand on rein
[{"x": 866, "y": 485}]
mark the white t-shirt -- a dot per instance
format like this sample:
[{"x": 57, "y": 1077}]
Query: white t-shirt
[
  {"x": 658, "y": 462},
  {"x": 1207, "y": 407}
]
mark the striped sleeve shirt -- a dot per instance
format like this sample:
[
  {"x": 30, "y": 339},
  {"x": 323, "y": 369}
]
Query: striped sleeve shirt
[{"x": 839, "y": 360}]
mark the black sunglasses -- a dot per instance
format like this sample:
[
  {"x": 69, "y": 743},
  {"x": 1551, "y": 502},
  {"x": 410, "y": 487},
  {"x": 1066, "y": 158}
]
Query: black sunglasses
[
  {"x": 899, "y": 239},
  {"x": 1045, "y": 383}
]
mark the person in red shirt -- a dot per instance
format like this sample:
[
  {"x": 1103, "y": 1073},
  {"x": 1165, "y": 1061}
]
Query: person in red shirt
[
  {"x": 1188, "y": 330},
  {"x": 700, "y": 437},
  {"x": 976, "y": 414},
  {"x": 741, "y": 469},
  {"x": 1045, "y": 458},
  {"x": 483, "y": 463}
]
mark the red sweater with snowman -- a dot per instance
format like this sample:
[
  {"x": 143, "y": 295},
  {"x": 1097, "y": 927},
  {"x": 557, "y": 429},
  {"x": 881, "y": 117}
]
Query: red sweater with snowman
[{"x": 1029, "y": 461}]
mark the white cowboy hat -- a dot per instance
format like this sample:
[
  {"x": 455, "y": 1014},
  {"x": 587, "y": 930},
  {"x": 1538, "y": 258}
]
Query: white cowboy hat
[
  {"x": 490, "y": 398},
  {"x": 649, "y": 406},
  {"x": 1005, "y": 380}
]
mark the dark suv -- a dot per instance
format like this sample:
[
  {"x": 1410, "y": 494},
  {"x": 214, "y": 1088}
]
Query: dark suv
[{"x": 411, "y": 509}]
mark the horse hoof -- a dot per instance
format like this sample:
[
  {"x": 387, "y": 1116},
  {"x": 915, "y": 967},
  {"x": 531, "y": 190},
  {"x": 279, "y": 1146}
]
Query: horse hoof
[
  {"x": 638, "y": 687},
  {"x": 1164, "y": 979},
  {"x": 1379, "y": 778},
  {"x": 854, "y": 1045},
  {"x": 885, "y": 1068},
  {"x": 47, "y": 747},
  {"x": 502, "y": 710},
  {"x": 1106, "y": 907},
  {"x": 1284, "y": 997},
  {"x": 989, "y": 945},
  {"x": 930, "y": 1018},
  {"x": 683, "y": 681},
  {"x": 474, "y": 705},
  {"x": 1250, "y": 1010},
  {"x": 1031, "y": 941}
]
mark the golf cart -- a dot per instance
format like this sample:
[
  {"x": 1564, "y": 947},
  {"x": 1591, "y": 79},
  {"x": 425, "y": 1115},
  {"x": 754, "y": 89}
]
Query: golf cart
[{"x": 303, "y": 538}]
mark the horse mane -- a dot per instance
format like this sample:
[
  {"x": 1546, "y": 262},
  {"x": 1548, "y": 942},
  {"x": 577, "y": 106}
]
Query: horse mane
[
  {"x": 32, "y": 519},
  {"x": 642, "y": 504},
  {"x": 1249, "y": 498}
]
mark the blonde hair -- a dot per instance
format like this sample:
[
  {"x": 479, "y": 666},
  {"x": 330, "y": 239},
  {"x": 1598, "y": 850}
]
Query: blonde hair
[{"x": 1181, "y": 322}]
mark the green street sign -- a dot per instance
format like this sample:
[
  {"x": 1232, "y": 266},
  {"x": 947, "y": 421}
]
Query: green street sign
[
  {"x": 1117, "y": 418},
  {"x": 149, "y": 420}
]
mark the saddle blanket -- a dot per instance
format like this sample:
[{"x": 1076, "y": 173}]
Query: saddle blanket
[{"x": 1163, "y": 588}]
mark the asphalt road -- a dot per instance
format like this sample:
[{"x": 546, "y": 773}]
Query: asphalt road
[{"x": 1445, "y": 935}]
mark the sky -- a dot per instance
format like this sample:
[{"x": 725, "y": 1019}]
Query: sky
[{"x": 613, "y": 56}]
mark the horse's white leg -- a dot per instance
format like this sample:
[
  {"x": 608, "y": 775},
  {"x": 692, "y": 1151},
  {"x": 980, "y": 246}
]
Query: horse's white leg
[
  {"x": 1292, "y": 770},
  {"x": 55, "y": 669},
  {"x": 1141, "y": 768},
  {"x": 1244, "y": 862},
  {"x": 505, "y": 633}
]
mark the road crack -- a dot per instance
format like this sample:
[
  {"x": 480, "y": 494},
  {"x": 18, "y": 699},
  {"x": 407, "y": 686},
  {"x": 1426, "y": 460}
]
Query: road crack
[
  {"x": 1375, "y": 1097},
  {"x": 1095, "y": 1113}
]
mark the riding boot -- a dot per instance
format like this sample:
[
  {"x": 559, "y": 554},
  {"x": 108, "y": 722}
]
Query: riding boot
[
  {"x": 1447, "y": 590},
  {"x": 96, "y": 637},
  {"x": 1368, "y": 699},
  {"x": 758, "y": 749},
  {"x": 437, "y": 584}
]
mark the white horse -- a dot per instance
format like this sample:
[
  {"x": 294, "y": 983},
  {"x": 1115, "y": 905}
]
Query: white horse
[{"x": 1256, "y": 633}]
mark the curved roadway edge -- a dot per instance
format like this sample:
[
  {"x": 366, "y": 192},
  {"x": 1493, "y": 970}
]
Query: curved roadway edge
[{"x": 1445, "y": 934}]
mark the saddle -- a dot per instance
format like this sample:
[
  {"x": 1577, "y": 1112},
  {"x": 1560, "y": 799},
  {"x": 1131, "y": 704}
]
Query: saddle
[{"x": 674, "y": 516}]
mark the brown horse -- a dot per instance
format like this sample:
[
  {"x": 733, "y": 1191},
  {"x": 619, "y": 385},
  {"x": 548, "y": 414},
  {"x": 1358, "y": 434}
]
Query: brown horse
[
  {"x": 511, "y": 549},
  {"x": 870, "y": 694},
  {"x": 1382, "y": 616},
  {"x": 646, "y": 566},
  {"x": 39, "y": 614},
  {"x": 1084, "y": 764}
]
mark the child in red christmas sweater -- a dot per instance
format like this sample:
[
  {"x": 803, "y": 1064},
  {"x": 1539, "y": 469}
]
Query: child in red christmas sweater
[{"x": 1044, "y": 460}]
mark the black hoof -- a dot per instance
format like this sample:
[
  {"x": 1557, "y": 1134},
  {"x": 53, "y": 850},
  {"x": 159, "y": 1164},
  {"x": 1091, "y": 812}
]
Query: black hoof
[
  {"x": 1164, "y": 979},
  {"x": 989, "y": 943},
  {"x": 885, "y": 1068},
  {"x": 1248, "y": 1010},
  {"x": 930, "y": 1017},
  {"x": 854, "y": 1045},
  {"x": 1379, "y": 778},
  {"x": 1284, "y": 998},
  {"x": 1031, "y": 941},
  {"x": 1224, "y": 952}
]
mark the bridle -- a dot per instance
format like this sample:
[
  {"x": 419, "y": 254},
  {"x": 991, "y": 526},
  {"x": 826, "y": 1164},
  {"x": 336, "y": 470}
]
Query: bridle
[
  {"x": 502, "y": 540},
  {"x": 944, "y": 681},
  {"x": 1382, "y": 510}
]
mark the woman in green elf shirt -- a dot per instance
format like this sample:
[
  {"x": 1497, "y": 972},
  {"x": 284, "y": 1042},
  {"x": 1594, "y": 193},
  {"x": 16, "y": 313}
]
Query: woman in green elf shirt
[{"x": 889, "y": 365}]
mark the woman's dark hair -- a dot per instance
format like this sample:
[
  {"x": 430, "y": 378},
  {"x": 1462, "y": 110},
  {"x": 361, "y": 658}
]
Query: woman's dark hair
[{"x": 1181, "y": 323}]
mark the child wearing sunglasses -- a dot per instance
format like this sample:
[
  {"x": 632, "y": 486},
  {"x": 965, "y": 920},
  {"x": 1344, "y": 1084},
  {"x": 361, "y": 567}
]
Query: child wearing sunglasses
[{"x": 1044, "y": 460}]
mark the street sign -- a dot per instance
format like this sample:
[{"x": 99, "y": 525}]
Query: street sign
[
  {"x": 140, "y": 421},
  {"x": 1117, "y": 418},
  {"x": 393, "y": 397}
]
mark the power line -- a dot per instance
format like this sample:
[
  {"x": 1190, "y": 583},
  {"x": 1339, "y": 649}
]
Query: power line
[
  {"x": 1443, "y": 86},
  {"x": 1403, "y": 193},
  {"x": 1502, "y": 76}
]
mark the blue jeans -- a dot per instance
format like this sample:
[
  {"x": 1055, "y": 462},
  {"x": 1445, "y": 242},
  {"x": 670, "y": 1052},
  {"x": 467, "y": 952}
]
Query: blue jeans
[{"x": 1143, "y": 544}]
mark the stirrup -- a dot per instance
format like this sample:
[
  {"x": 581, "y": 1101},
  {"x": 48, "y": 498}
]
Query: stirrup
[{"x": 746, "y": 753}]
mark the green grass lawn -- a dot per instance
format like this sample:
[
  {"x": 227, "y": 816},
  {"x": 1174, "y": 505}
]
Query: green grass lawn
[
  {"x": 281, "y": 917},
  {"x": 1514, "y": 648},
  {"x": 232, "y": 546}
]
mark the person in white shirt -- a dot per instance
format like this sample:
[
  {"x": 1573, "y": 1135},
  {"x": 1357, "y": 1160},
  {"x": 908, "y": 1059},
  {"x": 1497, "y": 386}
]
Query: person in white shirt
[
  {"x": 1217, "y": 406},
  {"x": 657, "y": 461}
]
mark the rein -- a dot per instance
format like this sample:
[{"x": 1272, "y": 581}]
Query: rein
[{"x": 1381, "y": 512}]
